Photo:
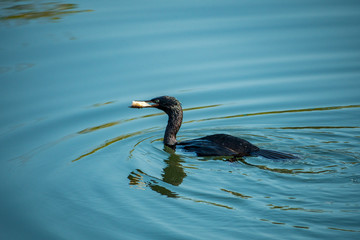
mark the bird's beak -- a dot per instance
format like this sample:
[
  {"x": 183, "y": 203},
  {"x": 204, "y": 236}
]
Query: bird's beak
[{"x": 143, "y": 104}]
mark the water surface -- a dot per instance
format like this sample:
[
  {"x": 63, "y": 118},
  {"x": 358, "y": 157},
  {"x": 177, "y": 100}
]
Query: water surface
[{"x": 77, "y": 163}]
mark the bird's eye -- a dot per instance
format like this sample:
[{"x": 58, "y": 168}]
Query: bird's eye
[{"x": 156, "y": 101}]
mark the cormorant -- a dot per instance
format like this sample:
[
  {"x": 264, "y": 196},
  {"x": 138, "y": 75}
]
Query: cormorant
[{"x": 212, "y": 145}]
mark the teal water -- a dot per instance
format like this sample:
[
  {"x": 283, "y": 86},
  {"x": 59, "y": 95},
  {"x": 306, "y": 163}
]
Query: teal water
[{"x": 77, "y": 163}]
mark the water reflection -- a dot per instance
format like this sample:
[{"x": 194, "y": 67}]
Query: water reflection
[
  {"x": 236, "y": 194},
  {"x": 173, "y": 174},
  {"x": 278, "y": 112},
  {"x": 281, "y": 223},
  {"x": 111, "y": 141},
  {"x": 288, "y": 208},
  {"x": 282, "y": 170},
  {"x": 344, "y": 230},
  {"x": 30, "y": 10},
  {"x": 315, "y": 127}
]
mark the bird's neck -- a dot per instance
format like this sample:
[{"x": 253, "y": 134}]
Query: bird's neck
[{"x": 173, "y": 126}]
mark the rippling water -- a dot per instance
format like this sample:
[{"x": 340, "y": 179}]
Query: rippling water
[{"x": 77, "y": 163}]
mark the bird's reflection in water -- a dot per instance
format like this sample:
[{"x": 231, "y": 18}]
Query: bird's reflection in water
[{"x": 172, "y": 174}]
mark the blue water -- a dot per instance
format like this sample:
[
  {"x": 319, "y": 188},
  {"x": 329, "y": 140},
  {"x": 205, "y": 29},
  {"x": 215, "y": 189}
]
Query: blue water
[{"x": 77, "y": 163}]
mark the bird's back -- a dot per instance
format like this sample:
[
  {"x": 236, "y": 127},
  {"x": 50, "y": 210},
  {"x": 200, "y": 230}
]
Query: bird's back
[{"x": 219, "y": 145}]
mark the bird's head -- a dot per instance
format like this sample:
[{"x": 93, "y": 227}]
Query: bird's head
[{"x": 164, "y": 103}]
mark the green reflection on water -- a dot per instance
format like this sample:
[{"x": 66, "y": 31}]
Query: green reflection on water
[
  {"x": 277, "y": 112},
  {"x": 281, "y": 223},
  {"x": 12, "y": 10},
  {"x": 110, "y": 124},
  {"x": 288, "y": 208},
  {"x": 316, "y": 127},
  {"x": 92, "y": 129},
  {"x": 282, "y": 170},
  {"x": 344, "y": 230},
  {"x": 102, "y": 104},
  {"x": 109, "y": 142},
  {"x": 202, "y": 107},
  {"x": 236, "y": 194}
]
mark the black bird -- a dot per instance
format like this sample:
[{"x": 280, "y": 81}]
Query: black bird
[{"x": 212, "y": 145}]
